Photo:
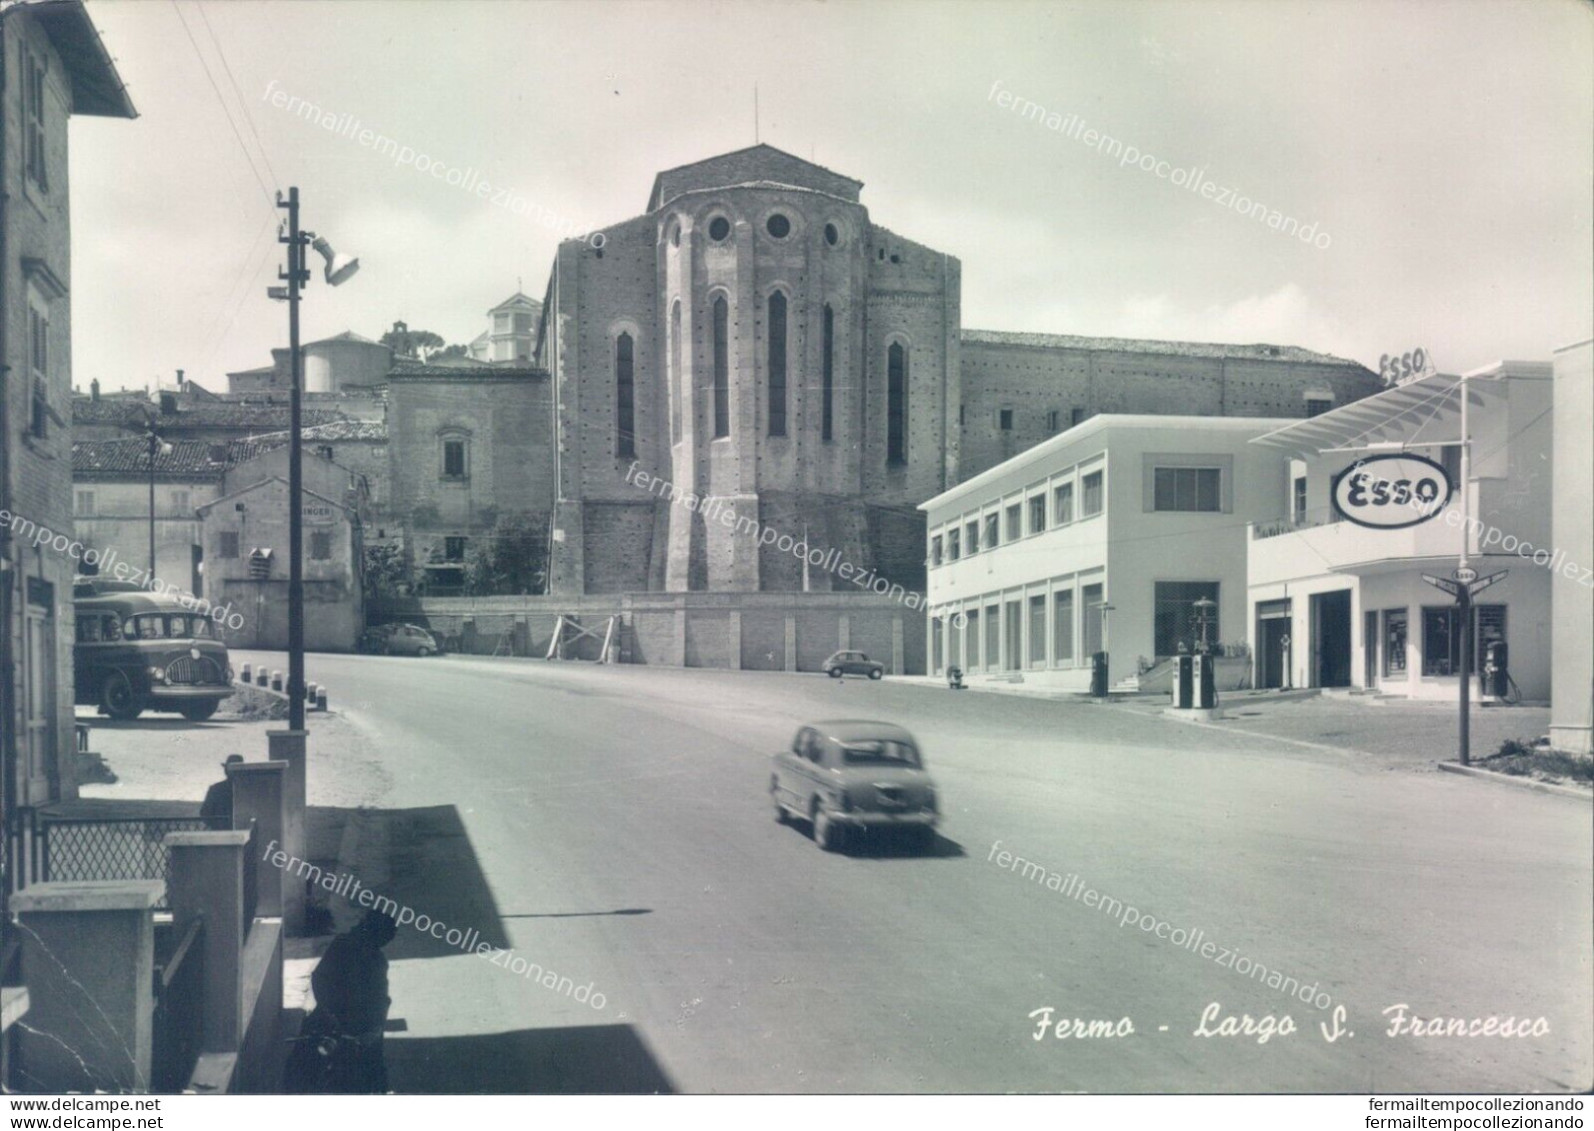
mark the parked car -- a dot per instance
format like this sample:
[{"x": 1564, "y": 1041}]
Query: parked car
[
  {"x": 854, "y": 775},
  {"x": 853, "y": 663},
  {"x": 399, "y": 640},
  {"x": 137, "y": 650}
]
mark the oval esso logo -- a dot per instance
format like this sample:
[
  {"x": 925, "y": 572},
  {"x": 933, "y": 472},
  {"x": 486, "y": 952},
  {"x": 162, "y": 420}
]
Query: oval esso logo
[{"x": 1391, "y": 492}]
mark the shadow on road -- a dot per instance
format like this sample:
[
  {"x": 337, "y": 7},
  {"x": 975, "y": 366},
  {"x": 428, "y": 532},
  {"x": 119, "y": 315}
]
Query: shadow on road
[{"x": 579, "y": 1060}]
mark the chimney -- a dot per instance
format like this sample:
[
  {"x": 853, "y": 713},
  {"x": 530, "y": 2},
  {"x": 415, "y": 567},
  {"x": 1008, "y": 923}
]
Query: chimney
[
  {"x": 94, "y": 389},
  {"x": 179, "y": 379}
]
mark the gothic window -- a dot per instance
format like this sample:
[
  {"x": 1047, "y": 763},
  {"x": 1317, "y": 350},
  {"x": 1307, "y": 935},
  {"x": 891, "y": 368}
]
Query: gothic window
[
  {"x": 722, "y": 375},
  {"x": 625, "y": 393},
  {"x": 897, "y": 404},
  {"x": 777, "y": 363}
]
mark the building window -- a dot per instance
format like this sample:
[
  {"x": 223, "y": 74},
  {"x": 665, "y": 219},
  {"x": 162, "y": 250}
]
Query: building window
[
  {"x": 1076, "y": 417},
  {"x": 324, "y": 451},
  {"x": 1015, "y": 523},
  {"x": 1298, "y": 500},
  {"x": 1037, "y": 631},
  {"x": 832, "y": 235},
  {"x": 454, "y": 463},
  {"x": 1441, "y": 637},
  {"x": 320, "y": 545},
  {"x": 1004, "y": 419},
  {"x": 778, "y": 226},
  {"x": 954, "y": 544},
  {"x": 993, "y": 636},
  {"x": 935, "y": 550},
  {"x": 1177, "y": 618},
  {"x": 722, "y": 373},
  {"x": 993, "y": 530},
  {"x": 1053, "y": 418},
  {"x": 454, "y": 548},
  {"x": 83, "y": 502},
  {"x": 675, "y": 372},
  {"x": 971, "y": 639},
  {"x": 1395, "y": 623},
  {"x": 896, "y": 404},
  {"x": 1090, "y": 495},
  {"x": 1063, "y": 507},
  {"x": 33, "y": 150},
  {"x": 227, "y": 545},
  {"x": 827, "y": 400},
  {"x": 39, "y": 418},
  {"x": 1063, "y": 626},
  {"x": 972, "y": 537},
  {"x": 777, "y": 359},
  {"x": 625, "y": 392},
  {"x": 1317, "y": 406},
  {"x": 1091, "y": 600},
  {"x": 1014, "y": 627},
  {"x": 1187, "y": 489},
  {"x": 718, "y": 229},
  {"x": 39, "y": 363},
  {"x": 1037, "y": 514},
  {"x": 181, "y": 504}
]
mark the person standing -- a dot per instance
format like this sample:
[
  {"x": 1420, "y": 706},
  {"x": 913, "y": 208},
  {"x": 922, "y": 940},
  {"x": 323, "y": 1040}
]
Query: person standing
[{"x": 340, "y": 1045}]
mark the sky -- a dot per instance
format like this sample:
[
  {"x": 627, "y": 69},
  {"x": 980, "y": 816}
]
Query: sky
[{"x": 1443, "y": 149}]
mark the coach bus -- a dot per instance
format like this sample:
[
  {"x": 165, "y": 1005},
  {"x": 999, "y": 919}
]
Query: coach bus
[{"x": 139, "y": 650}]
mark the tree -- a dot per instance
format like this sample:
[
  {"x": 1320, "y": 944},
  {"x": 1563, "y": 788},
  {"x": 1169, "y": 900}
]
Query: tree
[
  {"x": 405, "y": 342},
  {"x": 512, "y": 558},
  {"x": 384, "y": 571},
  {"x": 455, "y": 350}
]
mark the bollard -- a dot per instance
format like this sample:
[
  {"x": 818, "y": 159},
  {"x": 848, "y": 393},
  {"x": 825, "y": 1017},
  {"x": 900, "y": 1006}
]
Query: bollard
[
  {"x": 247, "y": 673},
  {"x": 321, "y": 700},
  {"x": 261, "y": 677},
  {"x": 276, "y": 680},
  {"x": 309, "y": 692}
]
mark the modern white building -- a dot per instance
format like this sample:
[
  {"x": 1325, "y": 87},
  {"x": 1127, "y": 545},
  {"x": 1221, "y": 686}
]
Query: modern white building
[
  {"x": 1099, "y": 539},
  {"x": 1337, "y": 604},
  {"x": 1572, "y": 531}
]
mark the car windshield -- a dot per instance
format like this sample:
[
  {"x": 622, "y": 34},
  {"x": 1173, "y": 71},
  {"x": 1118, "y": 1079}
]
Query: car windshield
[{"x": 880, "y": 752}]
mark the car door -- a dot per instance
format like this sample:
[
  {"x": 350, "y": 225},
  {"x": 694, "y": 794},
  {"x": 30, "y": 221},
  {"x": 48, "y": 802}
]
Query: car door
[{"x": 787, "y": 767}]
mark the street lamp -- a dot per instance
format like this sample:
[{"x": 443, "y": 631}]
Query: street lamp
[
  {"x": 157, "y": 446},
  {"x": 338, "y": 269}
]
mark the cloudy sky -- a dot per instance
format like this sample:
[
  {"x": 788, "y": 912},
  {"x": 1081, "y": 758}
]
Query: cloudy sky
[{"x": 1446, "y": 149}]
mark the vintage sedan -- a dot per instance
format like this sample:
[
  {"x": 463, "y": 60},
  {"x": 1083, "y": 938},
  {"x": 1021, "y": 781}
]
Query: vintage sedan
[
  {"x": 854, "y": 775},
  {"x": 853, "y": 663},
  {"x": 399, "y": 640}
]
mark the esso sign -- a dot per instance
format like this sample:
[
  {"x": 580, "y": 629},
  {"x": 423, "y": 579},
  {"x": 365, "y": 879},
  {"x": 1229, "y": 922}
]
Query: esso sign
[{"x": 1391, "y": 492}]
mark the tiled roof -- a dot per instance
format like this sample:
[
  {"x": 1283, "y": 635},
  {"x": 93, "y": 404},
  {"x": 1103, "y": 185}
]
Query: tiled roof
[
  {"x": 218, "y": 414},
  {"x": 346, "y": 336},
  {"x": 405, "y": 369},
  {"x": 1257, "y": 352},
  {"x": 339, "y": 431},
  {"x": 117, "y": 459}
]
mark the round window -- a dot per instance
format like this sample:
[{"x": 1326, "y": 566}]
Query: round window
[
  {"x": 718, "y": 228},
  {"x": 832, "y": 236},
  {"x": 778, "y": 226}
]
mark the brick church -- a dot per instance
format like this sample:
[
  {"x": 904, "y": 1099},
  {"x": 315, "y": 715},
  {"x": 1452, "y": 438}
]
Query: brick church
[{"x": 757, "y": 342}]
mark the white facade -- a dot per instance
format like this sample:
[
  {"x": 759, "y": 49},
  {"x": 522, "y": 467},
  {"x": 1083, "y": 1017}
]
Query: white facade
[
  {"x": 1142, "y": 513},
  {"x": 1572, "y": 694},
  {"x": 1336, "y": 604}
]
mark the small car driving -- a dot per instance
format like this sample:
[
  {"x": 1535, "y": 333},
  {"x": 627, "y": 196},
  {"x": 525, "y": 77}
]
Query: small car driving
[
  {"x": 399, "y": 640},
  {"x": 853, "y": 663},
  {"x": 855, "y": 775}
]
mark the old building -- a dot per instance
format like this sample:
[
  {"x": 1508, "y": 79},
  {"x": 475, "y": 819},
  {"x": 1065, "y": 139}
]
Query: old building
[
  {"x": 511, "y": 332},
  {"x": 466, "y": 445},
  {"x": 53, "y": 66},
  {"x": 756, "y": 343},
  {"x": 246, "y": 541},
  {"x": 1572, "y": 535},
  {"x": 345, "y": 362}
]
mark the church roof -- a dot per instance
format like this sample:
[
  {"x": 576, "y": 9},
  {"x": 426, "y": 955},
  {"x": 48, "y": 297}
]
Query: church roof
[
  {"x": 1259, "y": 351},
  {"x": 757, "y": 163},
  {"x": 516, "y": 300}
]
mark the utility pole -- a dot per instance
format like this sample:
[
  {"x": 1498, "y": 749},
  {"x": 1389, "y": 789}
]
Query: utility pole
[{"x": 295, "y": 275}]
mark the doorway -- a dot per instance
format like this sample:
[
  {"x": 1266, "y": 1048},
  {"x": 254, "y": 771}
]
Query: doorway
[
  {"x": 1273, "y": 643},
  {"x": 1331, "y": 645}
]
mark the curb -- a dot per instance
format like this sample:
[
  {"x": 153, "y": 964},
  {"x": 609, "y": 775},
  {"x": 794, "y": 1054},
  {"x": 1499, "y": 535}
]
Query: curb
[{"x": 1512, "y": 779}]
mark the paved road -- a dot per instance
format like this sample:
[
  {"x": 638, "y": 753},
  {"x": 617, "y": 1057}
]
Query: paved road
[{"x": 619, "y": 823}]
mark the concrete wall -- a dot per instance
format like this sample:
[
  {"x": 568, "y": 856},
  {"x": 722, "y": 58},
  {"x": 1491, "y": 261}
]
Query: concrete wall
[
  {"x": 760, "y": 631},
  {"x": 1572, "y": 702}
]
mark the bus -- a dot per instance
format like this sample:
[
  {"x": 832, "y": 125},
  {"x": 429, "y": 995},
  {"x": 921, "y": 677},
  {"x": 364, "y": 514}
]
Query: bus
[{"x": 140, "y": 651}]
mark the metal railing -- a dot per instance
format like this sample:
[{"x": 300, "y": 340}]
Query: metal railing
[
  {"x": 113, "y": 848},
  {"x": 177, "y": 1027}
]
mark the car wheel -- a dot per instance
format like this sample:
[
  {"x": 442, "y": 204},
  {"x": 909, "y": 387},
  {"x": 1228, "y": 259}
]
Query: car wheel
[
  {"x": 876, "y": 673},
  {"x": 835, "y": 673},
  {"x": 199, "y": 712},
  {"x": 826, "y": 833},
  {"x": 119, "y": 699},
  {"x": 424, "y": 651}
]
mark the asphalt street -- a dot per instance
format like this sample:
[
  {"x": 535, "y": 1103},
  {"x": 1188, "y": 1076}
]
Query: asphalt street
[{"x": 612, "y": 824}]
